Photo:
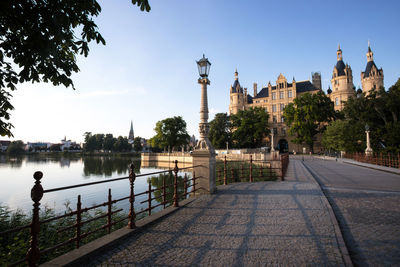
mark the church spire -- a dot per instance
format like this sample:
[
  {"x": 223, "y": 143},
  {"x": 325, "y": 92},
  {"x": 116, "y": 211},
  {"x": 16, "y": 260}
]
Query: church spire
[{"x": 131, "y": 135}]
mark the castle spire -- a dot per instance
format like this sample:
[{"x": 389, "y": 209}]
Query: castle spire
[
  {"x": 339, "y": 54},
  {"x": 370, "y": 55},
  {"x": 236, "y": 74}
]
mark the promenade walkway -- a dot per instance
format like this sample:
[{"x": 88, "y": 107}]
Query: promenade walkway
[{"x": 245, "y": 224}]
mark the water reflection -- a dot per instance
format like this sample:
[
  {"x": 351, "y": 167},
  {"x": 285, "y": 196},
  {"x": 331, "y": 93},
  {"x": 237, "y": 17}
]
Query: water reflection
[
  {"x": 158, "y": 182},
  {"x": 108, "y": 165}
]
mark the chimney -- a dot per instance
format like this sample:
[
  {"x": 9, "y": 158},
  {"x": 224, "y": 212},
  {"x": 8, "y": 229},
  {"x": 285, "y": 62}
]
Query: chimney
[{"x": 255, "y": 89}]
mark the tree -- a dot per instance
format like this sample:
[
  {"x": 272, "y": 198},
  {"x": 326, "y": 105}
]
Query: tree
[
  {"x": 137, "y": 144},
  {"x": 249, "y": 127},
  {"x": 171, "y": 133},
  {"x": 381, "y": 111},
  {"x": 219, "y": 133},
  {"x": 307, "y": 116},
  {"x": 108, "y": 142},
  {"x": 122, "y": 144},
  {"x": 16, "y": 147},
  {"x": 39, "y": 42},
  {"x": 342, "y": 135}
]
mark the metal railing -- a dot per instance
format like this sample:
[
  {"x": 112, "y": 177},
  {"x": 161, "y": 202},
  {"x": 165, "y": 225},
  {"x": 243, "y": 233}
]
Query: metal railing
[
  {"x": 34, "y": 252},
  {"x": 387, "y": 159},
  {"x": 251, "y": 170}
]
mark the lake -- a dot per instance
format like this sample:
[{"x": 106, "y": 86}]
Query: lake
[{"x": 16, "y": 177}]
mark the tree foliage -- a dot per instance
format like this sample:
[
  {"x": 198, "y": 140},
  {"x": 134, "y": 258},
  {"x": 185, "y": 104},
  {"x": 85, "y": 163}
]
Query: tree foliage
[
  {"x": 108, "y": 142},
  {"x": 16, "y": 147},
  {"x": 342, "y": 135},
  {"x": 249, "y": 127},
  {"x": 307, "y": 116},
  {"x": 380, "y": 110},
  {"x": 137, "y": 144},
  {"x": 219, "y": 133},
  {"x": 39, "y": 41},
  {"x": 170, "y": 133}
]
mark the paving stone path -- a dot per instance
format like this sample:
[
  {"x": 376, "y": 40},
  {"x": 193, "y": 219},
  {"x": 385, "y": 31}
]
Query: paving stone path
[
  {"x": 244, "y": 224},
  {"x": 367, "y": 205}
]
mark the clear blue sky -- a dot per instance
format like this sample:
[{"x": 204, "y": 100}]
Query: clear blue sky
[{"x": 147, "y": 70}]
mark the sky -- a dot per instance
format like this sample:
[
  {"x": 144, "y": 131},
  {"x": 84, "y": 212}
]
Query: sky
[{"x": 147, "y": 70}]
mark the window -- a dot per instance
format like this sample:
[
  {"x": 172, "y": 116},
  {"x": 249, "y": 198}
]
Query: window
[
  {"x": 337, "y": 101},
  {"x": 275, "y": 130},
  {"x": 273, "y": 95},
  {"x": 266, "y": 109},
  {"x": 274, "y": 118},
  {"x": 282, "y": 119},
  {"x": 283, "y": 131},
  {"x": 282, "y": 106},
  {"x": 289, "y": 93},
  {"x": 274, "y": 108},
  {"x": 281, "y": 94}
]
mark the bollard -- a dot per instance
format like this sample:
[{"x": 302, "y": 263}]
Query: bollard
[
  {"x": 33, "y": 254},
  {"x": 78, "y": 221},
  {"x": 132, "y": 215}
]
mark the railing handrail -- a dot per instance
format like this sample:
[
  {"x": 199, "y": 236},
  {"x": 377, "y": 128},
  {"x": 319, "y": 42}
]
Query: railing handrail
[{"x": 34, "y": 252}]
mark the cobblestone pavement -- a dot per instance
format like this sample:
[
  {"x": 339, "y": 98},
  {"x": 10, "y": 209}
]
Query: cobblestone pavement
[
  {"x": 244, "y": 224},
  {"x": 367, "y": 205}
]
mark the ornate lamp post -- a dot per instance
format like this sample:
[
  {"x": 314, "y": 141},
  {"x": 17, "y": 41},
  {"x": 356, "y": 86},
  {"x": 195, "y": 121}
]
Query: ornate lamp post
[
  {"x": 204, "y": 68},
  {"x": 204, "y": 153},
  {"x": 368, "y": 150}
]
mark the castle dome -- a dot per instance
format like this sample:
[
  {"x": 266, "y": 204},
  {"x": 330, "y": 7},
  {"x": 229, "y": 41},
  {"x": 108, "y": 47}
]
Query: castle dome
[{"x": 340, "y": 66}]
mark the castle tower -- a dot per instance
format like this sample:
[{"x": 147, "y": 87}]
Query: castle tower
[
  {"x": 342, "y": 82},
  {"x": 237, "y": 98},
  {"x": 372, "y": 77},
  {"x": 316, "y": 80},
  {"x": 131, "y": 136}
]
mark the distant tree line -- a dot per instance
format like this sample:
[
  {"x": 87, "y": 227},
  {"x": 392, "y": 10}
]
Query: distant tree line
[{"x": 107, "y": 142}]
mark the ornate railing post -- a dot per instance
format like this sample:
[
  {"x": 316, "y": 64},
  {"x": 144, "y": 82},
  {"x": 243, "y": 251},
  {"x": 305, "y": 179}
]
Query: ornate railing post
[
  {"x": 33, "y": 255},
  {"x": 109, "y": 210},
  {"x": 132, "y": 214},
  {"x": 185, "y": 185},
  {"x": 176, "y": 204},
  {"x": 78, "y": 221},
  {"x": 225, "y": 170},
  {"x": 194, "y": 183},
  {"x": 251, "y": 168},
  {"x": 149, "y": 197}
]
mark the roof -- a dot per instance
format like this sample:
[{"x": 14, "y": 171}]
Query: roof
[
  {"x": 340, "y": 68},
  {"x": 368, "y": 68},
  {"x": 262, "y": 93},
  {"x": 235, "y": 85},
  {"x": 305, "y": 86},
  {"x": 249, "y": 99}
]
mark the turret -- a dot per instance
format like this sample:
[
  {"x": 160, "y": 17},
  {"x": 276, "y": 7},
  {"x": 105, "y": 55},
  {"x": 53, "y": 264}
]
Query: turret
[{"x": 372, "y": 77}]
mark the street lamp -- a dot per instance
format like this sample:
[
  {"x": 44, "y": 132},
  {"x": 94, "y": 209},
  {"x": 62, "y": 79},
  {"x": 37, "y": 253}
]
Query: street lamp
[
  {"x": 368, "y": 150},
  {"x": 204, "y": 68}
]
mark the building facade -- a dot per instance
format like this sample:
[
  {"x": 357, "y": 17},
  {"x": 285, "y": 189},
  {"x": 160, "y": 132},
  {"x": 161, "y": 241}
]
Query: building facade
[{"x": 274, "y": 98}]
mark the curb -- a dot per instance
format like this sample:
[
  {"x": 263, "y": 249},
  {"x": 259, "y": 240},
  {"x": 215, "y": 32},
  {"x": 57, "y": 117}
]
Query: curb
[
  {"x": 338, "y": 233},
  {"x": 370, "y": 166},
  {"x": 83, "y": 255}
]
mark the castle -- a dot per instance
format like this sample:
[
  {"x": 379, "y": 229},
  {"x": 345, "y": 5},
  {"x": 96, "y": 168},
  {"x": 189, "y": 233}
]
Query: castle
[{"x": 274, "y": 98}]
